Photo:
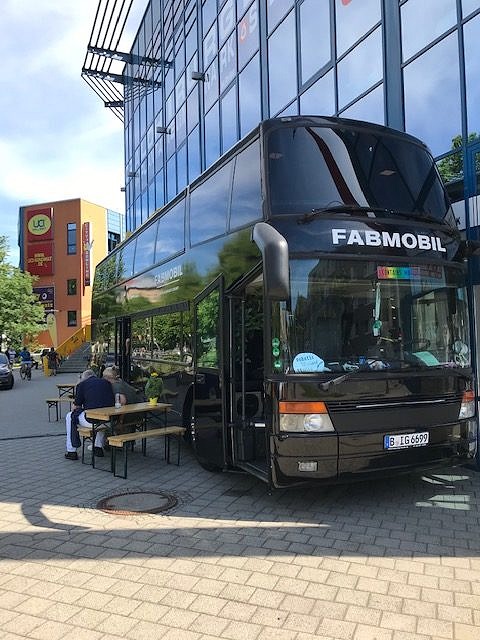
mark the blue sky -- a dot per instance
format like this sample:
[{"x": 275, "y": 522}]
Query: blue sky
[{"x": 57, "y": 140}]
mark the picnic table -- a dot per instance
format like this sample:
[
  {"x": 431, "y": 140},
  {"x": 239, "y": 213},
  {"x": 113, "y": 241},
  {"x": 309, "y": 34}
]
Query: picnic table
[
  {"x": 109, "y": 418},
  {"x": 66, "y": 389}
]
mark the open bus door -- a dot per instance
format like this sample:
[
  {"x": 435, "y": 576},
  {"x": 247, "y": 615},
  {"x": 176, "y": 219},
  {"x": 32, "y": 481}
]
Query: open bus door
[
  {"x": 122, "y": 346},
  {"x": 208, "y": 407},
  {"x": 247, "y": 389}
]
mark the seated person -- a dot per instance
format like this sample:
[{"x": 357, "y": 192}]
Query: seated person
[
  {"x": 90, "y": 393},
  {"x": 128, "y": 395}
]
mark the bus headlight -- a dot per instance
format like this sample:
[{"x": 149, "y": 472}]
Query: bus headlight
[
  {"x": 302, "y": 417},
  {"x": 467, "y": 408}
]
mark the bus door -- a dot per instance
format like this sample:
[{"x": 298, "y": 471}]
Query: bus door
[
  {"x": 122, "y": 346},
  {"x": 247, "y": 394},
  {"x": 208, "y": 407}
]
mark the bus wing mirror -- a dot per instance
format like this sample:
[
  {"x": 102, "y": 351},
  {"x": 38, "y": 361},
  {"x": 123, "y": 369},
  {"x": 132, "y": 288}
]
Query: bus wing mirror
[{"x": 274, "y": 250}]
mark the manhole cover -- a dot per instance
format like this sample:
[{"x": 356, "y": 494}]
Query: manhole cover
[{"x": 135, "y": 502}]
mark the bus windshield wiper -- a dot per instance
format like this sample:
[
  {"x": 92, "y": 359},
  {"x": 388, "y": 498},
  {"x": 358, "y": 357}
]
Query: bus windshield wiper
[
  {"x": 353, "y": 208},
  {"x": 347, "y": 208}
]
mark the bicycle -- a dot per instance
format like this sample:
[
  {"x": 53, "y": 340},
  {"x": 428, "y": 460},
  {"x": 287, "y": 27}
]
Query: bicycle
[{"x": 26, "y": 371}]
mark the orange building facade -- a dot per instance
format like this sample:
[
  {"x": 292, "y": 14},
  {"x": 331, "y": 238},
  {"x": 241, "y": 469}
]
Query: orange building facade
[{"x": 61, "y": 243}]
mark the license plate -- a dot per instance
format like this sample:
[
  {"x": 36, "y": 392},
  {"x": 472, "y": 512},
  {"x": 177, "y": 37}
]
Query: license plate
[{"x": 406, "y": 440}]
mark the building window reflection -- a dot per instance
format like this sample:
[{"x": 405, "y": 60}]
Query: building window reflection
[{"x": 432, "y": 90}]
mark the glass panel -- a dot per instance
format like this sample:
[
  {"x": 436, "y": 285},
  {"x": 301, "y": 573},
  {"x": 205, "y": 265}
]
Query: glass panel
[
  {"x": 282, "y": 79},
  {"x": 249, "y": 89},
  {"x": 144, "y": 256},
  {"x": 192, "y": 110},
  {"x": 451, "y": 170},
  {"x": 320, "y": 98},
  {"x": 209, "y": 13},
  {"x": 440, "y": 66},
  {"x": 361, "y": 69},
  {"x": 212, "y": 136},
  {"x": 209, "y": 205},
  {"x": 194, "y": 168},
  {"x": 72, "y": 287},
  {"x": 246, "y": 195},
  {"x": 125, "y": 259},
  {"x": 247, "y": 35},
  {"x": 318, "y": 167},
  {"x": 315, "y": 51},
  {"x": 423, "y": 21},
  {"x": 182, "y": 168},
  {"x": 229, "y": 119},
  {"x": 210, "y": 86},
  {"x": 276, "y": 9},
  {"x": 353, "y": 20},
  {"x": 369, "y": 108},
  {"x": 72, "y": 318},
  {"x": 171, "y": 178},
  {"x": 226, "y": 21},
  {"x": 171, "y": 232},
  {"x": 228, "y": 62},
  {"x": 472, "y": 72},
  {"x": 207, "y": 348},
  {"x": 355, "y": 316},
  {"x": 468, "y": 6},
  {"x": 210, "y": 46}
]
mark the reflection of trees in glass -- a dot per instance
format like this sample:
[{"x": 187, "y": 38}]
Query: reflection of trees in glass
[
  {"x": 238, "y": 256},
  {"x": 208, "y": 311},
  {"x": 451, "y": 167},
  {"x": 173, "y": 331}
]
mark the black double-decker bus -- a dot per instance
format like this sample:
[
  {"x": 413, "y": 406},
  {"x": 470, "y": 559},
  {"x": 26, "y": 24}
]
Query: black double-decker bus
[{"x": 305, "y": 303}]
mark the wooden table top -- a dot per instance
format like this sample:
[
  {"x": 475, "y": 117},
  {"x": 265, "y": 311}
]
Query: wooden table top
[{"x": 106, "y": 413}]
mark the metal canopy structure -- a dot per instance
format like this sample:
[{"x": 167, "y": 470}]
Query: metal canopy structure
[{"x": 104, "y": 65}]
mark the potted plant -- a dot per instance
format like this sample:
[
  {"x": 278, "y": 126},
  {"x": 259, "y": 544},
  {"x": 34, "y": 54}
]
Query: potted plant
[{"x": 153, "y": 388}]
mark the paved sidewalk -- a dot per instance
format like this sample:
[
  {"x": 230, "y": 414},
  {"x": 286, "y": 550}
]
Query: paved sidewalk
[{"x": 393, "y": 560}]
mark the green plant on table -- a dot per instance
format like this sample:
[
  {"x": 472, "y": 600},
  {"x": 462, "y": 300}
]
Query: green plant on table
[{"x": 154, "y": 386}]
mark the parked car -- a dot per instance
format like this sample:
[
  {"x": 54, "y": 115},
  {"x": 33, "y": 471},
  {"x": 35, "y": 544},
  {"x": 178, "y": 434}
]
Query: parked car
[{"x": 6, "y": 374}]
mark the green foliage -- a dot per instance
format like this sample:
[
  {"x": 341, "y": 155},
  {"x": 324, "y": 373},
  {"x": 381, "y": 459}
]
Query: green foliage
[
  {"x": 451, "y": 167},
  {"x": 154, "y": 386},
  {"x": 21, "y": 314}
]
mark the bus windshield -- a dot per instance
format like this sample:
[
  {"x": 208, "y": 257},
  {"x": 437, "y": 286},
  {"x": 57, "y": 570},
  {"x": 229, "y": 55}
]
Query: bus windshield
[
  {"x": 312, "y": 168},
  {"x": 354, "y": 314}
]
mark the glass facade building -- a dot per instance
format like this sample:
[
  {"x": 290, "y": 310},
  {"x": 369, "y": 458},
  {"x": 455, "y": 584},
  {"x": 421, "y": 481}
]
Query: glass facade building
[{"x": 211, "y": 69}]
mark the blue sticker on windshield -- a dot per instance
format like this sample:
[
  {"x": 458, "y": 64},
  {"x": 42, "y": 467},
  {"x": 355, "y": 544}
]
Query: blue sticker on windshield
[{"x": 308, "y": 363}]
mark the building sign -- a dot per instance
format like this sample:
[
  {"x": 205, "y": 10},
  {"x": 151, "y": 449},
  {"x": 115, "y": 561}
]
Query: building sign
[
  {"x": 40, "y": 258},
  {"x": 248, "y": 35},
  {"x": 372, "y": 238},
  {"x": 39, "y": 225},
  {"x": 46, "y": 295},
  {"x": 86, "y": 249}
]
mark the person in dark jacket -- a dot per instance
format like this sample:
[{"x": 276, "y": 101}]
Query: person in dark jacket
[{"x": 90, "y": 393}]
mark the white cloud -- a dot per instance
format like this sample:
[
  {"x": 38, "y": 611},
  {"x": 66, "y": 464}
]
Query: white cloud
[{"x": 57, "y": 140}]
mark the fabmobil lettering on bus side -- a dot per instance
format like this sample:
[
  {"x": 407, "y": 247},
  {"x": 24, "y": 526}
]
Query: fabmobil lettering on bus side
[{"x": 369, "y": 238}]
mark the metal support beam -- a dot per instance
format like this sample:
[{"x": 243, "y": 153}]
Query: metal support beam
[
  {"x": 116, "y": 77},
  {"x": 128, "y": 58}
]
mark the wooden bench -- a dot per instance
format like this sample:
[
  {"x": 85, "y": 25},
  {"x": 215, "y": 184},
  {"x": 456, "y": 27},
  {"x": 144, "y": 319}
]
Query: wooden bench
[
  {"x": 120, "y": 442},
  {"x": 86, "y": 433},
  {"x": 57, "y": 403}
]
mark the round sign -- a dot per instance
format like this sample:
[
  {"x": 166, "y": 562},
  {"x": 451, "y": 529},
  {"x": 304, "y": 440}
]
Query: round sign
[
  {"x": 307, "y": 363},
  {"x": 39, "y": 224}
]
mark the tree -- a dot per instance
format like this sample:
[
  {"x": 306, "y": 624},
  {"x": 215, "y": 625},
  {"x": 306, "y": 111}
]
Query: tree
[
  {"x": 21, "y": 314},
  {"x": 451, "y": 167}
]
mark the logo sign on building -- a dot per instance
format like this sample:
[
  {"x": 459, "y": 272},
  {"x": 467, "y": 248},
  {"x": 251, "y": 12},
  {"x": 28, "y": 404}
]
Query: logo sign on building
[
  {"x": 46, "y": 295},
  {"x": 40, "y": 258},
  {"x": 39, "y": 225},
  {"x": 86, "y": 250}
]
